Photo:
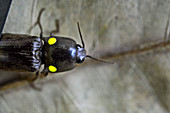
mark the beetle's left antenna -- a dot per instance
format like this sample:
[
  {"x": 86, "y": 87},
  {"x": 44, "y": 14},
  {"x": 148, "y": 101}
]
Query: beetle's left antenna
[
  {"x": 80, "y": 35},
  {"x": 100, "y": 60},
  {"x": 38, "y": 22}
]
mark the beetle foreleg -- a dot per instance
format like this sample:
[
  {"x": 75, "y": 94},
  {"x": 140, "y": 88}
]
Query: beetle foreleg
[
  {"x": 44, "y": 74},
  {"x": 57, "y": 28},
  {"x": 37, "y": 75},
  {"x": 38, "y": 22}
]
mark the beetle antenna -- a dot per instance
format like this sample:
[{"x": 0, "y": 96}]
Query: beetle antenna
[
  {"x": 100, "y": 60},
  {"x": 80, "y": 34}
]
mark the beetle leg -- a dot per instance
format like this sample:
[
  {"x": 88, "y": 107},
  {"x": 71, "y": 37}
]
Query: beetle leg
[
  {"x": 32, "y": 82},
  {"x": 37, "y": 75},
  {"x": 38, "y": 22},
  {"x": 57, "y": 28},
  {"x": 44, "y": 74}
]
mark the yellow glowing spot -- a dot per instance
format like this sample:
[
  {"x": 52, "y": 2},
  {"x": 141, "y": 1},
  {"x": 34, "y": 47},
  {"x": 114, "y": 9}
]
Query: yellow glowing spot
[
  {"x": 52, "y": 68},
  {"x": 52, "y": 41}
]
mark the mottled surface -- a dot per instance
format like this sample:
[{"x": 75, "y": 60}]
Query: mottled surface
[{"x": 136, "y": 84}]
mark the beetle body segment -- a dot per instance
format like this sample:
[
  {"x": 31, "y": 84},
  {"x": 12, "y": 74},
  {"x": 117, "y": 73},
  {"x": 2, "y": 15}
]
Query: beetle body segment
[{"x": 20, "y": 52}]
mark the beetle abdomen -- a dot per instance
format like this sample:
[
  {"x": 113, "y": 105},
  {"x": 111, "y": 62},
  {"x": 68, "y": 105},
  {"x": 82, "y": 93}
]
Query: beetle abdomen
[{"x": 20, "y": 52}]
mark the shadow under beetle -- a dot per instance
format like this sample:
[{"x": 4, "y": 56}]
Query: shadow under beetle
[{"x": 28, "y": 53}]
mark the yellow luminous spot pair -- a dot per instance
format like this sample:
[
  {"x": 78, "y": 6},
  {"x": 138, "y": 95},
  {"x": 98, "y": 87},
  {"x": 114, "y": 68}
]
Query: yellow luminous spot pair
[
  {"x": 52, "y": 41},
  {"x": 52, "y": 68}
]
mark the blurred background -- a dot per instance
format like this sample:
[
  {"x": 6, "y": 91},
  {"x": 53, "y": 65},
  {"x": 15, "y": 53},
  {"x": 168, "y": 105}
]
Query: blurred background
[{"x": 134, "y": 84}]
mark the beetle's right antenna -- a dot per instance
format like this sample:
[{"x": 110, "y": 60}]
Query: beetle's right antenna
[
  {"x": 100, "y": 60},
  {"x": 80, "y": 35}
]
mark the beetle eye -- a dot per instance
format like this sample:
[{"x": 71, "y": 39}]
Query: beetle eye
[
  {"x": 52, "y": 41},
  {"x": 52, "y": 68}
]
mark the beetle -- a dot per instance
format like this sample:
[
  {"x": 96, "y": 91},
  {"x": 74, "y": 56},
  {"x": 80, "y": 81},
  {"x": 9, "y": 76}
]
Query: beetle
[{"x": 23, "y": 53}]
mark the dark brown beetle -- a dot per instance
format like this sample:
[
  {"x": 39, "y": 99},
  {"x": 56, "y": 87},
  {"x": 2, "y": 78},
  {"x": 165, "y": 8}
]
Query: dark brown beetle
[{"x": 28, "y": 53}]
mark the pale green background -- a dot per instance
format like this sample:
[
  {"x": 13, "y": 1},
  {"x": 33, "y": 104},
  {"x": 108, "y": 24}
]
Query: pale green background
[{"x": 137, "y": 84}]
